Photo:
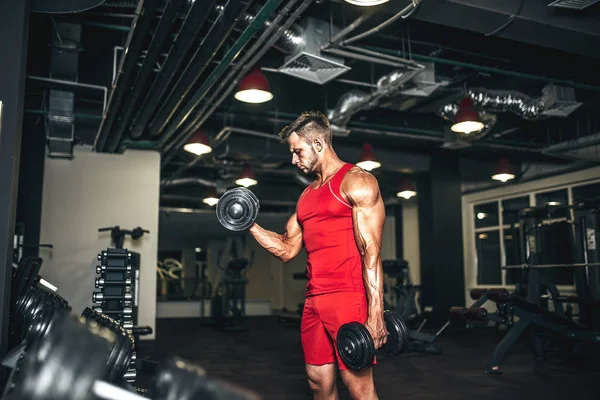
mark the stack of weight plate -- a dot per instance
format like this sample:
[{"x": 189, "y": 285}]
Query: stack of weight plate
[{"x": 115, "y": 298}]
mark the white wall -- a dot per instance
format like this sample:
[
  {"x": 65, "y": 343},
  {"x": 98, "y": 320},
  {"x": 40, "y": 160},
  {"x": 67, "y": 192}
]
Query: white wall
[
  {"x": 510, "y": 190},
  {"x": 91, "y": 191},
  {"x": 410, "y": 239}
]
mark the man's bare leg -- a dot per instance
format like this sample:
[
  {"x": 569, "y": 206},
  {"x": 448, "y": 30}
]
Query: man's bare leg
[
  {"x": 321, "y": 379},
  {"x": 360, "y": 384}
]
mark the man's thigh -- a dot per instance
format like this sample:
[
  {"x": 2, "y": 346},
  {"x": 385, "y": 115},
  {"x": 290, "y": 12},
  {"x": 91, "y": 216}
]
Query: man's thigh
[{"x": 317, "y": 345}]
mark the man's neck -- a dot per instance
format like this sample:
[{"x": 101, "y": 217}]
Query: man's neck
[{"x": 329, "y": 166}]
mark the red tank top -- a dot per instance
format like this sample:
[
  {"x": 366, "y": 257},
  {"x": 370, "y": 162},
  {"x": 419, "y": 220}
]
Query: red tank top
[{"x": 334, "y": 263}]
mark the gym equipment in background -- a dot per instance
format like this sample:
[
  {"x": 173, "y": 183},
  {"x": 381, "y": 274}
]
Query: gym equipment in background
[{"x": 408, "y": 308}]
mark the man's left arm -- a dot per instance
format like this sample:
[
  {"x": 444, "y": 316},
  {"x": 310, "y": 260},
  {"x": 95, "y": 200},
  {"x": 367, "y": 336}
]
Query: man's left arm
[{"x": 368, "y": 213}]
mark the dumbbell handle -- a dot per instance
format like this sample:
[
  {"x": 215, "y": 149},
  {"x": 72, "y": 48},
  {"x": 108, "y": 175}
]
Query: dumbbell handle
[
  {"x": 102, "y": 268},
  {"x": 97, "y": 297},
  {"x": 100, "y": 282},
  {"x": 123, "y": 311}
]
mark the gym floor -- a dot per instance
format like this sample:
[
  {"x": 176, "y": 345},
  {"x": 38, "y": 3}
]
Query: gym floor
[{"x": 267, "y": 358}]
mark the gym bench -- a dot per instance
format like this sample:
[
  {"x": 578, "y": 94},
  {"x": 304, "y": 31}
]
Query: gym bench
[{"x": 528, "y": 314}]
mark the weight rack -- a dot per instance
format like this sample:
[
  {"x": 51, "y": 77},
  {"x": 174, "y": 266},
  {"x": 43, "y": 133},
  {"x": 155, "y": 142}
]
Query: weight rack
[{"x": 118, "y": 297}]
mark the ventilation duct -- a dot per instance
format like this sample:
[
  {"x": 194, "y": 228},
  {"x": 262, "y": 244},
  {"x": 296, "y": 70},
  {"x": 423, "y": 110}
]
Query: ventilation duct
[
  {"x": 573, "y": 4},
  {"x": 60, "y": 119},
  {"x": 288, "y": 43},
  {"x": 556, "y": 101},
  {"x": 306, "y": 61},
  {"x": 355, "y": 100}
]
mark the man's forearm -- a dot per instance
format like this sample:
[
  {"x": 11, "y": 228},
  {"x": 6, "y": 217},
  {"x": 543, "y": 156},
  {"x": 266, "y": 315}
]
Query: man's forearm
[
  {"x": 373, "y": 279},
  {"x": 273, "y": 242}
]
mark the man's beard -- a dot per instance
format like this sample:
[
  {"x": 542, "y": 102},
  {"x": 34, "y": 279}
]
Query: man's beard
[{"x": 312, "y": 161}]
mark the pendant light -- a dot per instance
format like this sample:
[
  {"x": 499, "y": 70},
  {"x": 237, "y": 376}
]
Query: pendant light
[
  {"x": 504, "y": 172},
  {"x": 407, "y": 189},
  {"x": 247, "y": 178},
  {"x": 467, "y": 118},
  {"x": 368, "y": 159},
  {"x": 211, "y": 198},
  {"x": 254, "y": 88},
  {"x": 198, "y": 144}
]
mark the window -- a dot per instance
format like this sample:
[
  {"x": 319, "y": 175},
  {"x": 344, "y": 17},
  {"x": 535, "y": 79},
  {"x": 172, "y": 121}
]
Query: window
[
  {"x": 488, "y": 258},
  {"x": 498, "y": 241},
  {"x": 556, "y": 201},
  {"x": 486, "y": 215},
  {"x": 586, "y": 192}
]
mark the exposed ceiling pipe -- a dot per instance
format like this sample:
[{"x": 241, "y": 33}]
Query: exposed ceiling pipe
[
  {"x": 355, "y": 100},
  {"x": 161, "y": 34},
  {"x": 135, "y": 40},
  {"x": 576, "y": 144},
  {"x": 191, "y": 199},
  {"x": 190, "y": 181},
  {"x": 170, "y": 109},
  {"x": 260, "y": 47},
  {"x": 191, "y": 28}
]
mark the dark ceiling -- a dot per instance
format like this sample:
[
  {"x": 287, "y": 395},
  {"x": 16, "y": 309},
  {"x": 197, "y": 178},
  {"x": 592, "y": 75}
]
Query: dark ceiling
[{"x": 182, "y": 56}]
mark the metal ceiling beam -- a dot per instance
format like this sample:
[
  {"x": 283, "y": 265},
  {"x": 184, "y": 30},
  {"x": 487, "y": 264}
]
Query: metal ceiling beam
[
  {"x": 135, "y": 40},
  {"x": 527, "y": 21},
  {"x": 161, "y": 34}
]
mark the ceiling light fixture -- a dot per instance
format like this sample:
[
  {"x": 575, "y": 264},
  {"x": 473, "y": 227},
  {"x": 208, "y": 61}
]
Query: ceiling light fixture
[
  {"x": 212, "y": 198},
  {"x": 198, "y": 144},
  {"x": 407, "y": 189},
  {"x": 467, "y": 118},
  {"x": 503, "y": 172},
  {"x": 254, "y": 88},
  {"x": 247, "y": 178},
  {"x": 368, "y": 159},
  {"x": 366, "y": 3}
]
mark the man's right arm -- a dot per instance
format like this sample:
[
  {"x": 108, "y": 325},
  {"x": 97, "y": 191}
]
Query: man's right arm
[{"x": 286, "y": 246}]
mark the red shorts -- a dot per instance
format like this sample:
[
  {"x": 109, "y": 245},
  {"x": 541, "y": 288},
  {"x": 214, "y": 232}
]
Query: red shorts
[{"x": 322, "y": 316}]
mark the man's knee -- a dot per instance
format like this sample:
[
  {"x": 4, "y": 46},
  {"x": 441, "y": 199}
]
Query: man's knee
[
  {"x": 360, "y": 384},
  {"x": 321, "y": 378}
]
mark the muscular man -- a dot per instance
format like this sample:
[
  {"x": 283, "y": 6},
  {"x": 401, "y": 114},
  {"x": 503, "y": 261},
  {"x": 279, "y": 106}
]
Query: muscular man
[{"x": 339, "y": 220}]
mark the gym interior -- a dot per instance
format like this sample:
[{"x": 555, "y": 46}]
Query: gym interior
[{"x": 124, "y": 122}]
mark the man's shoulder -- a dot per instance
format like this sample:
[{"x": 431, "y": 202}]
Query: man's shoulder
[{"x": 358, "y": 175}]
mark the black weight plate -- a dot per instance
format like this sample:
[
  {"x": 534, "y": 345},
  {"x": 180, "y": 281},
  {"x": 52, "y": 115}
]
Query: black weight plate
[
  {"x": 355, "y": 345},
  {"x": 237, "y": 209},
  {"x": 398, "y": 334},
  {"x": 63, "y": 365}
]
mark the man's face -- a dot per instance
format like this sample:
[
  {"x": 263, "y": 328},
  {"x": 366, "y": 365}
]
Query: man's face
[{"x": 304, "y": 156}]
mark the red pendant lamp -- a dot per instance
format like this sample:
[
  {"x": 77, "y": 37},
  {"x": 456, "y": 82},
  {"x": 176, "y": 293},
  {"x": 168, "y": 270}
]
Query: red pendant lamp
[
  {"x": 504, "y": 172},
  {"x": 368, "y": 159},
  {"x": 407, "y": 189},
  {"x": 467, "y": 118},
  {"x": 247, "y": 178},
  {"x": 198, "y": 144},
  {"x": 254, "y": 88},
  {"x": 211, "y": 197}
]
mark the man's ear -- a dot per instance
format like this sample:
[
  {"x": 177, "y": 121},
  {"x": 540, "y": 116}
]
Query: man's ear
[{"x": 318, "y": 143}]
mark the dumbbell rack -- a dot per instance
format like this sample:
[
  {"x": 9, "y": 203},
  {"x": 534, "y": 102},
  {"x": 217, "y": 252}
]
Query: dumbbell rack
[{"x": 119, "y": 295}]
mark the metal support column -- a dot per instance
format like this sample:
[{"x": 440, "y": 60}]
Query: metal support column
[{"x": 14, "y": 34}]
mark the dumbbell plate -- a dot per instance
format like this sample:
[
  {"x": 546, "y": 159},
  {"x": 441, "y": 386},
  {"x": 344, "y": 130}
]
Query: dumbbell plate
[
  {"x": 355, "y": 345},
  {"x": 237, "y": 209},
  {"x": 397, "y": 340}
]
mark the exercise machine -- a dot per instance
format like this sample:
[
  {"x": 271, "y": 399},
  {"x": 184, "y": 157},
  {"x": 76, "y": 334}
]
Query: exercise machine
[{"x": 408, "y": 308}]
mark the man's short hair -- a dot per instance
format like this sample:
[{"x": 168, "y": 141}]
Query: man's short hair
[{"x": 307, "y": 125}]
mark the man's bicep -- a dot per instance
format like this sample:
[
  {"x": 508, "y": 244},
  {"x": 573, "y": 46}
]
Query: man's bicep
[{"x": 368, "y": 212}]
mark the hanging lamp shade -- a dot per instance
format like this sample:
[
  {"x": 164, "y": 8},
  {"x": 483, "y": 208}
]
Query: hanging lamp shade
[
  {"x": 504, "y": 172},
  {"x": 366, "y": 3},
  {"x": 407, "y": 189},
  {"x": 254, "y": 88},
  {"x": 247, "y": 178},
  {"x": 368, "y": 159},
  {"x": 467, "y": 118},
  {"x": 211, "y": 197},
  {"x": 198, "y": 144}
]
